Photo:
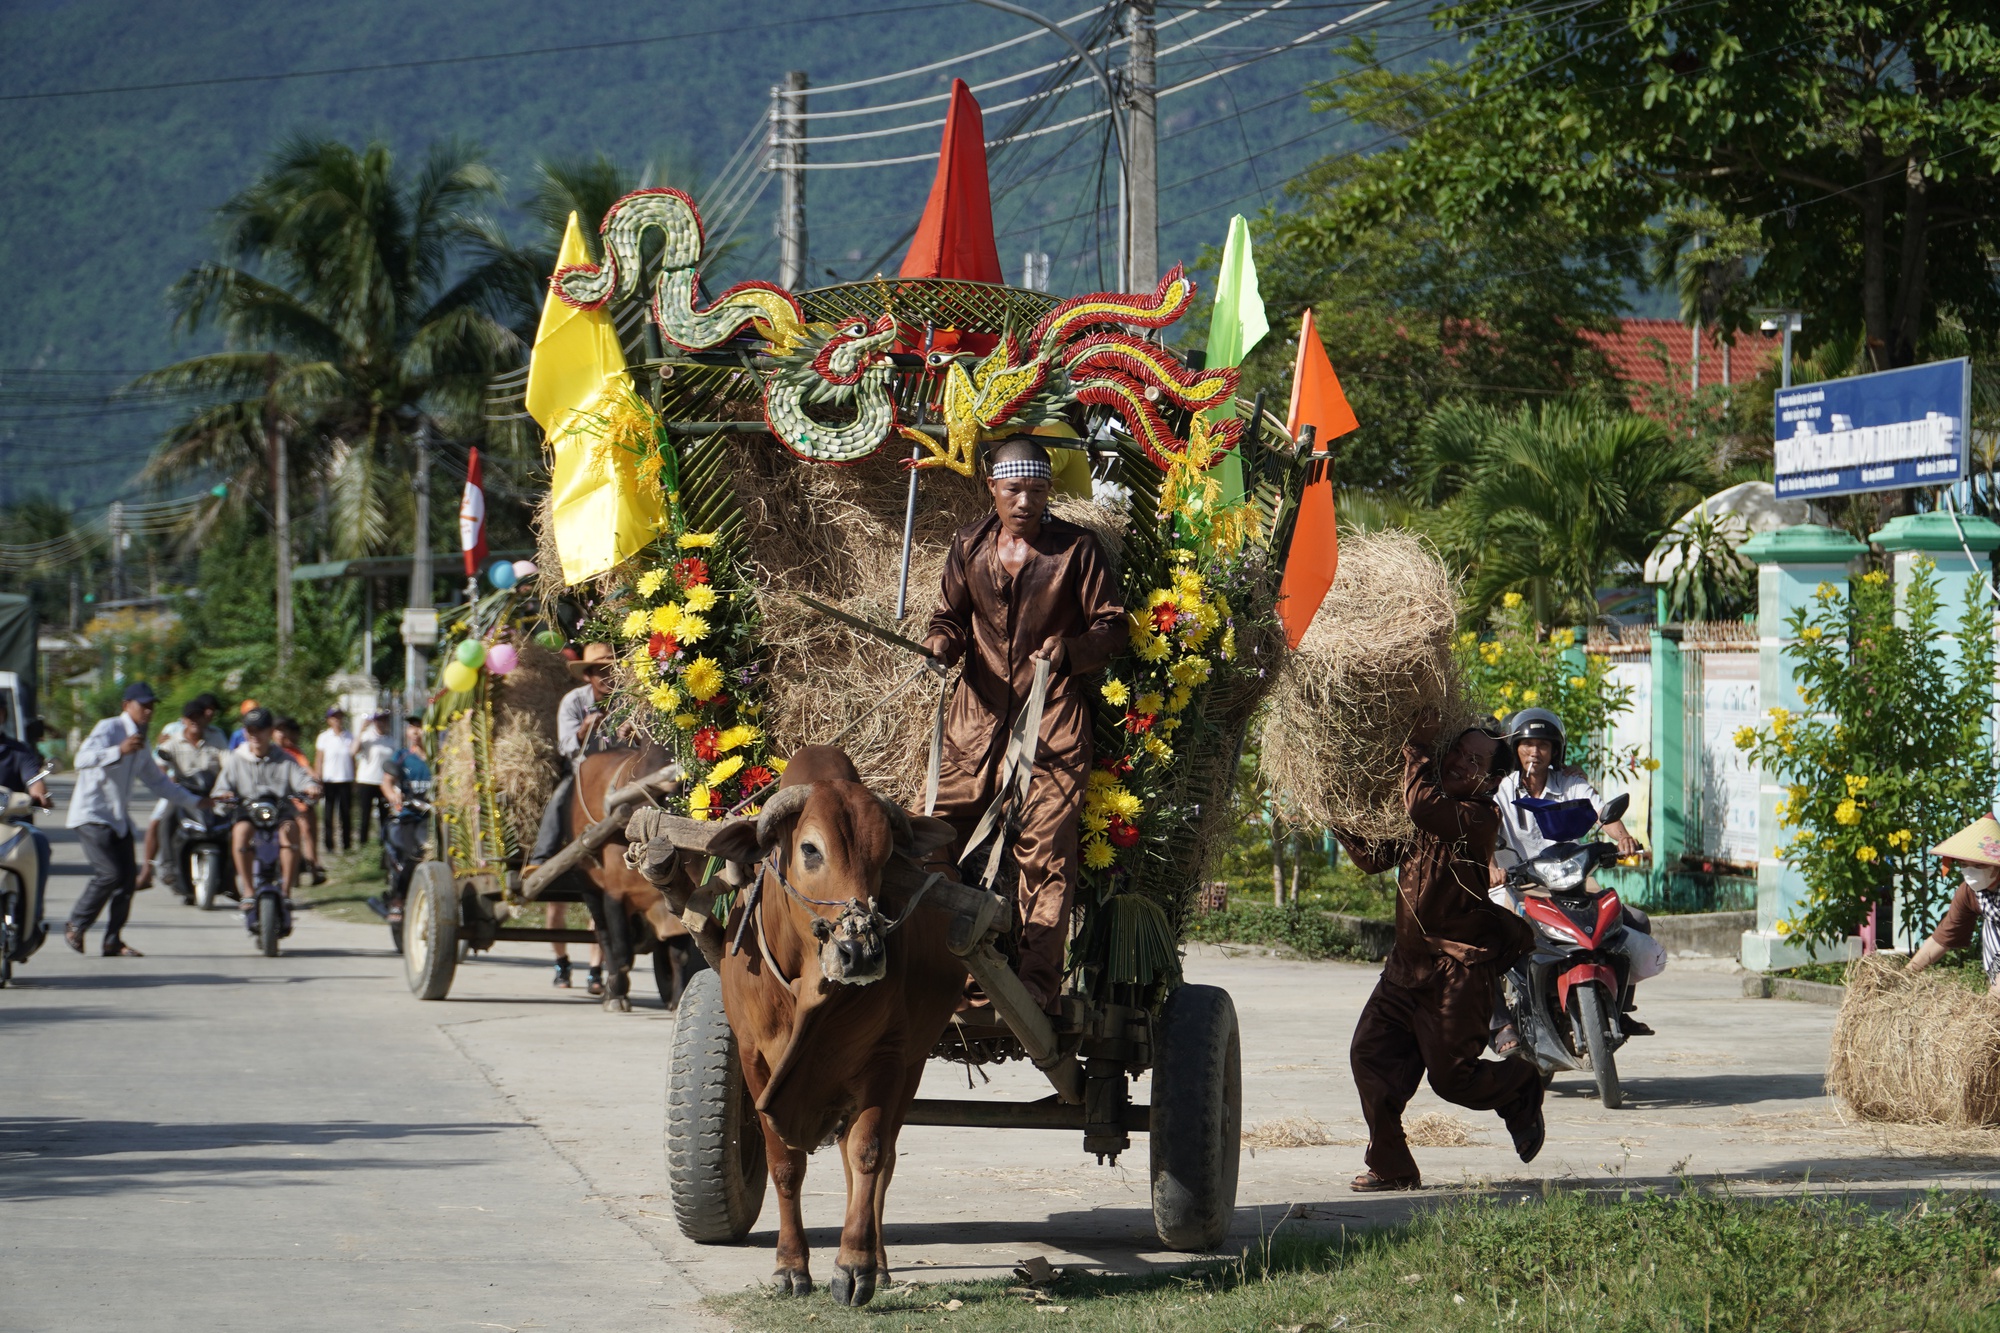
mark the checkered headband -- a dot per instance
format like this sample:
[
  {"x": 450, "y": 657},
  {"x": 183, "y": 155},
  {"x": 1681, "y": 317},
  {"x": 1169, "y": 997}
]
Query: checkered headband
[{"x": 1023, "y": 467}]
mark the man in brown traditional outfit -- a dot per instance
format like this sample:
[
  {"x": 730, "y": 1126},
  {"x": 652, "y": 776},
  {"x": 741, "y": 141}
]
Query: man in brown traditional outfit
[
  {"x": 1431, "y": 1010},
  {"x": 1018, "y": 586}
]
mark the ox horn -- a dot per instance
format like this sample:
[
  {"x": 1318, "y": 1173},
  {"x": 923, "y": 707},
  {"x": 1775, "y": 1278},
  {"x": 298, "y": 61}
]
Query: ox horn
[{"x": 785, "y": 805}]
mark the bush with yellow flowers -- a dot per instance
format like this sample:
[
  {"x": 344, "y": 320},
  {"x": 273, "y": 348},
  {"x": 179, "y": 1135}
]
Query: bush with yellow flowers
[
  {"x": 1894, "y": 754},
  {"x": 1518, "y": 665}
]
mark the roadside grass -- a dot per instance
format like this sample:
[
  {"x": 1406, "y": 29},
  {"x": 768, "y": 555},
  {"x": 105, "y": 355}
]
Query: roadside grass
[
  {"x": 1962, "y": 965},
  {"x": 1680, "y": 1262},
  {"x": 1303, "y": 927},
  {"x": 352, "y": 878}
]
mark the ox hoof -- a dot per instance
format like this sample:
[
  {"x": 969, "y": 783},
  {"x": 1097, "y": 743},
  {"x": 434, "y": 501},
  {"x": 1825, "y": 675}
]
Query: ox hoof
[
  {"x": 790, "y": 1282},
  {"x": 852, "y": 1286},
  {"x": 617, "y": 1004}
]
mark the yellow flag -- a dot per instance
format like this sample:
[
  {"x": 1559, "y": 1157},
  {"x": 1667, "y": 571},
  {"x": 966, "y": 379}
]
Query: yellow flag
[{"x": 601, "y": 511}]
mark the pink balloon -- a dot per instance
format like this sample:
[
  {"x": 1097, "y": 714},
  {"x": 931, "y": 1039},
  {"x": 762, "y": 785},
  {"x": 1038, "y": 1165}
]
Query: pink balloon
[
  {"x": 502, "y": 658},
  {"x": 524, "y": 568}
]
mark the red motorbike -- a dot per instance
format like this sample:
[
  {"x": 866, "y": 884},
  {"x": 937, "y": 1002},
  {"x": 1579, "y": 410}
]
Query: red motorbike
[{"x": 1566, "y": 997}]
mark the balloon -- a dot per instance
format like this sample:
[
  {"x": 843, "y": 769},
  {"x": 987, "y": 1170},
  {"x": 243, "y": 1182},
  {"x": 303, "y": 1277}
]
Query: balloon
[
  {"x": 501, "y": 574},
  {"x": 502, "y": 658},
  {"x": 459, "y": 678},
  {"x": 471, "y": 652},
  {"x": 551, "y": 639},
  {"x": 524, "y": 569}
]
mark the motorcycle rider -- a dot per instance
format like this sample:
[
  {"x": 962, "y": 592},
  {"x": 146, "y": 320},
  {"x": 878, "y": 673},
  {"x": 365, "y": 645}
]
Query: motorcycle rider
[
  {"x": 1541, "y": 746},
  {"x": 191, "y": 746},
  {"x": 20, "y": 770},
  {"x": 406, "y": 779},
  {"x": 260, "y": 768}
]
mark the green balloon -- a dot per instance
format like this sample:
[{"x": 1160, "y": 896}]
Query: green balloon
[
  {"x": 472, "y": 653},
  {"x": 550, "y": 639}
]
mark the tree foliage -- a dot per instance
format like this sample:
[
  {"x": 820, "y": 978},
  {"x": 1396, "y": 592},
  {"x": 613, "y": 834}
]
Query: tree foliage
[{"x": 1518, "y": 665}]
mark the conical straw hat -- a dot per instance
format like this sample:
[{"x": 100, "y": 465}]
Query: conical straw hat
[{"x": 1978, "y": 841}]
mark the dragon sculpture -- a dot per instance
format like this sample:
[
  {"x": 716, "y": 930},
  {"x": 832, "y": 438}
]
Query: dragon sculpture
[{"x": 1081, "y": 352}]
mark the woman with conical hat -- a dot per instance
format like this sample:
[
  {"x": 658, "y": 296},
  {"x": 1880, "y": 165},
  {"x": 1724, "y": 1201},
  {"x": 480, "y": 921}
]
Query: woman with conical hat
[{"x": 1974, "y": 851}]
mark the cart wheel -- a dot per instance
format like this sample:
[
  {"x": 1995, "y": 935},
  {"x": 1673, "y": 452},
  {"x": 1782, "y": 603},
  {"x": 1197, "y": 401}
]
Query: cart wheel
[
  {"x": 1197, "y": 1118},
  {"x": 675, "y": 961},
  {"x": 715, "y": 1146},
  {"x": 430, "y": 931}
]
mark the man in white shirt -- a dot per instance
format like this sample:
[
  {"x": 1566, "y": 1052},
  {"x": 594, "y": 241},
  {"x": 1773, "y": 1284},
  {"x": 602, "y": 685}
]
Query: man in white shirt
[
  {"x": 333, "y": 763},
  {"x": 260, "y": 768},
  {"x": 371, "y": 764},
  {"x": 100, "y": 814}
]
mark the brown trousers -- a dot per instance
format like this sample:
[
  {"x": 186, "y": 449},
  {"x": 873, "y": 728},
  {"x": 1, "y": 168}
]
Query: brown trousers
[{"x": 1439, "y": 1028}]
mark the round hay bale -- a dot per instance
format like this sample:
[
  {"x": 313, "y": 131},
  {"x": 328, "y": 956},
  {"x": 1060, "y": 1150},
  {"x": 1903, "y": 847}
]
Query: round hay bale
[
  {"x": 1920, "y": 1049},
  {"x": 1376, "y": 656}
]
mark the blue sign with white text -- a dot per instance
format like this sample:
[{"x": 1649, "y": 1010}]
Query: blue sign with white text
[{"x": 1876, "y": 432}]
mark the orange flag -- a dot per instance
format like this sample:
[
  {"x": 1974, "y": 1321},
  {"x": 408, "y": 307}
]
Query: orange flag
[{"x": 1318, "y": 402}]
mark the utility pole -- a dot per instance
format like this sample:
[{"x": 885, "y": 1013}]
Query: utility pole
[
  {"x": 788, "y": 156},
  {"x": 420, "y": 617},
  {"x": 281, "y": 511},
  {"x": 116, "y": 520},
  {"x": 1142, "y": 139}
]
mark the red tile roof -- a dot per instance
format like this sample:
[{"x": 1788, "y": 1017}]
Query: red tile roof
[{"x": 1634, "y": 353}]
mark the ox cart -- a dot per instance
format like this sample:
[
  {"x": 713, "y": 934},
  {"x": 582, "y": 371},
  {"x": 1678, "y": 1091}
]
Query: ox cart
[{"x": 757, "y": 612}]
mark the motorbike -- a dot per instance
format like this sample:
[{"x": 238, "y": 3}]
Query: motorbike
[
  {"x": 204, "y": 869},
  {"x": 402, "y": 851},
  {"x": 267, "y": 909},
  {"x": 1566, "y": 997},
  {"x": 21, "y": 882}
]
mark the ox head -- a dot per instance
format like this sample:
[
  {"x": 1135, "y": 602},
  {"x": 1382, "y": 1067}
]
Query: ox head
[{"x": 822, "y": 842}]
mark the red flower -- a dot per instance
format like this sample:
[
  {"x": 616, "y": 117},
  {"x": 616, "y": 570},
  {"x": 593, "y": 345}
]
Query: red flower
[
  {"x": 1121, "y": 833},
  {"x": 704, "y": 745},
  {"x": 691, "y": 570},
  {"x": 1121, "y": 765},
  {"x": 756, "y": 778},
  {"x": 1164, "y": 616},
  {"x": 662, "y": 646},
  {"x": 1138, "y": 724}
]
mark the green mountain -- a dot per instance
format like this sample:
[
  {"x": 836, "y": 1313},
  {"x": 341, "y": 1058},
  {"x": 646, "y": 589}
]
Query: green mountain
[{"x": 109, "y": 192}]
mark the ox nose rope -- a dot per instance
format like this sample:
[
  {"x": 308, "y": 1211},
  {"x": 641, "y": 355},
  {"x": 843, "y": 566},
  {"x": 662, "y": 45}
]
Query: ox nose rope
[{"x": 753, "y": 919}]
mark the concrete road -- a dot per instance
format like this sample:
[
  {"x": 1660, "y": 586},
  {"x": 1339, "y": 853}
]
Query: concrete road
[{"x": 205, "y": 1138}]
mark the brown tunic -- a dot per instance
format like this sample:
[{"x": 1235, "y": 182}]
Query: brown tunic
[{"x": 996, "y": 621}]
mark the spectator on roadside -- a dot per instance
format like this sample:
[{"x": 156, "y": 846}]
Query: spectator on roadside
[
  {"x": 99, "y": 812},
  {"x": 242, "y": 711},
  {"x": 333, "y": 765},
  {"x": 372, "y": 749}
]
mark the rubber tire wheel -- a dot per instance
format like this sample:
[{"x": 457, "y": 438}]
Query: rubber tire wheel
[
  {"x": 10, "y": 938},
  {"x": 1591, "y": 1017},
  {"x": 430, "y": 931},
  {"x": 675, "y": 961},
  {"x": 1197, "y": 1118},
  {"x": 203, "y": 886},
  {"x": 715, "y": 1143},
  {"x": 270, "y": 921}
]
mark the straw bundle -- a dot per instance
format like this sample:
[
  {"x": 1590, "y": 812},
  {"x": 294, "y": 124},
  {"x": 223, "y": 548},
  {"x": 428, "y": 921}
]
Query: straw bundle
[
  {"x": 524, "y": 738},
  {"x": 1376, "y": 656},
  {"x": 1919, "y": 1049}
]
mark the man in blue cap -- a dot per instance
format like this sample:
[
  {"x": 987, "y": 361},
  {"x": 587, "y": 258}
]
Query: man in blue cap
[{"x": 100, "y": 815}]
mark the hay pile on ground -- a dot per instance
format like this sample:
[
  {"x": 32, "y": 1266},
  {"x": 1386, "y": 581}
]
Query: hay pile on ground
[
  {"x": 1438, "y": 1129},
  {"x": 1292, "y": 1131},
  {"x": 1376, "y": 656},
  {"x": 1917, "y": 1049}
]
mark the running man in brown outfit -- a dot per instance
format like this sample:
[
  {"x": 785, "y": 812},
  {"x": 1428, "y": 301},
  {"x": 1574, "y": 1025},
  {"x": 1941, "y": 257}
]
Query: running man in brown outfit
[
  {"x": 1018, "y": 586},
  {"x": 1431, "y": 1010}
]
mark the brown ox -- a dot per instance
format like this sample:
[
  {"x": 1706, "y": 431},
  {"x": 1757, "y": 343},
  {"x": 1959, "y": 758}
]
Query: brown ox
[
  {"x": 839, "y": 1003},
  {"x": 631, "y": 917}
]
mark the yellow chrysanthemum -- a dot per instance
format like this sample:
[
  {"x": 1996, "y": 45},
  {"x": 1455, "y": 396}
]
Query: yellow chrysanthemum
[
  {"x": 1227, "y": 649},
  {"x": 667, "y": 619},
  {"x": 641, "y": 664},
  {"x": 1097, "y": 854},
  {"x": 1189, "y": 671},
  {"x": 1179, "y": 697},
  {"x": 664, "y": 698},
  {"x": 1511, "y": 600},
  {"x": 777, "y": 765},
  {"x": 1115, "y": 692},
  {"x": 686, "y": 721},
  {"x": 1169, "y": 725},
  {"x": 1123, "y": 804},
  {"x": 636, "y": 625},
  {"x": 1095, "y": 821},
  {"x": 1159, "y": 749},
  {"x": 1101, "y": 779},
  {"x": 703, "y": 678},
  {"x": 1151, "y": 648},
  {"x": 1195, "y": 635},
  {"x": 701, "y": 597},
  {"x": 692, "y": 629},
  {"x": 1150, "y": 702},
  {"x": 736, "y": 737},
  {"x": 649, "y": 582},
  {"x": 698, "y": 801},
  {"x": 689, "y": 541},
  {"x": 1188, "y": 584},
  {"x": 1847, "y": 812},
  {"x": 727, "y": 769}
]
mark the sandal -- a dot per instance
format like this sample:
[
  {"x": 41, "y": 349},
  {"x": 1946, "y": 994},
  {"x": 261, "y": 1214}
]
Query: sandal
[
  {"x": 1370, "y": 1183},
  {"x": 595, "y": 985},
  {"x": 1507, "y": 1041}
]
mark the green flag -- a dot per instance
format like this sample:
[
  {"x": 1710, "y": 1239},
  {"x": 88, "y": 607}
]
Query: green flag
[{"x": 1236, "y": 325}]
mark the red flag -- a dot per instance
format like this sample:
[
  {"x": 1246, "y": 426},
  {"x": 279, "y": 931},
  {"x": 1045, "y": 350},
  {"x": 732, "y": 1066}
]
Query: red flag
[
  {"x": 1317, "y": 401},
  {"x": 955, "y": 239},
  {"x": 472, "y": 518}
]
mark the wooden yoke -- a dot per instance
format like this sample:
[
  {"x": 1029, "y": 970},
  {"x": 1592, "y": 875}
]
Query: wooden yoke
[
  {"x": 656, "y": 839},
  {"x": 617, "y": 807}
]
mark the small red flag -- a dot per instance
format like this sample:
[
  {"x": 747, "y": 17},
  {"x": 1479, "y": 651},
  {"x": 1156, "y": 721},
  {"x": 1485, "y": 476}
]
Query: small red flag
[
  {"x": 1317, "y": 401},
  {"x": 472, "y": 517}
]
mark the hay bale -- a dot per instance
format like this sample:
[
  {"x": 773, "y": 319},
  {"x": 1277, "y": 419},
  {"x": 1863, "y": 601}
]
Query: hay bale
[
  {"x": 524, "y": 738},
  {"x": 1376, "y": 656},
  {"x": 1919, "y": 1049}
]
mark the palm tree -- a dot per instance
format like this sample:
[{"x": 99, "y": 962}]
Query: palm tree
[
  {"x": 1548, "y": 501},
  {"x": 361, "y": 306}
]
